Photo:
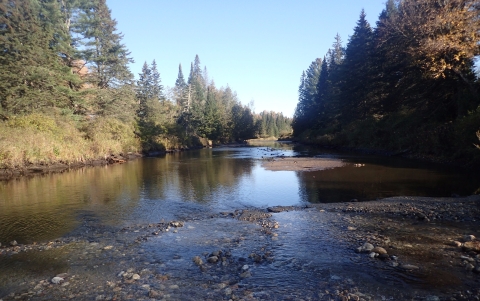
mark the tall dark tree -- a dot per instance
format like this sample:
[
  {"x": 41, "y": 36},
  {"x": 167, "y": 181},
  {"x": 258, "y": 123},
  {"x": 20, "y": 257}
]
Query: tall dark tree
[
  {"x": 33, "y": 76},
  {"x": 306, "y": 107},
  {"x": 324, "y": 107},
  {"x": 300, "y": 121},
  {"x": 102, "y": 46},
  {"x": 157, "y": 87},
  {"x": 356, "y": 69},
  {"x": 144, "y": 90},
  {"x": 181, "y": 90}
]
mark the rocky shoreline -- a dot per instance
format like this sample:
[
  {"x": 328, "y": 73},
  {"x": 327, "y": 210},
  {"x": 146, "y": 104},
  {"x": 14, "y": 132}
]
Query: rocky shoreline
[{"x": 432, "y": 241}]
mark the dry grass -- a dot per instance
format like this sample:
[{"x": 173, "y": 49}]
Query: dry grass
[{"x": 41, "y": 139}]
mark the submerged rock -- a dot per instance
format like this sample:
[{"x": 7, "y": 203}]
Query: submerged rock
[
  {"x": 197, "y": 260},
  {"x": 366, "y": 248},
  {"x": 212, "y": 259}
]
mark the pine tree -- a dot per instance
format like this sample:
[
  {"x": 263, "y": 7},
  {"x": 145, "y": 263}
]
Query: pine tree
[
  {"x": 33, "y": 77},
  {"x": 324, "y": 108},
  {"x": 300, "y": 121},
  {"x": 101, "y": 47},
  {"x": 144, "y": 90},
  {"x": 355, "y": 71},
  {"x": 181, "y": 90},
  {"x": 157, "y": 87}
]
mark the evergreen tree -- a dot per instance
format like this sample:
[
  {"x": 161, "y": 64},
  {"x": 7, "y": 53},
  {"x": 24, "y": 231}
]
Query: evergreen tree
[
  {"x": 300, "y": 118},
  {"x": 355, "y": 71},
  {"x": 157, "y": 87},
  {"x": 181, "y": 90},
  {"x": 180, "y": 82},
  {"x": 324, "y": 108},
  {"x": 101, "y": 46},
  {"x": 32, "y": 77},
  {"x": 144, "y": 90}
]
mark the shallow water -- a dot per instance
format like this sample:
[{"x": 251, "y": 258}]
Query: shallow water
[
  {"x": 194, "y": 185},
  {"x": 177, "y": 185}
]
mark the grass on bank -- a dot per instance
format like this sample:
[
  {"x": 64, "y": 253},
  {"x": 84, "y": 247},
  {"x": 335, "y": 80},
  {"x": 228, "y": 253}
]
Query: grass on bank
[{"x": 43, "y": 139}]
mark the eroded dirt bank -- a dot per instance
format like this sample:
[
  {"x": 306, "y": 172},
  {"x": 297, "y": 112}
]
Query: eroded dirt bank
[{"x": 424, "y": 249}]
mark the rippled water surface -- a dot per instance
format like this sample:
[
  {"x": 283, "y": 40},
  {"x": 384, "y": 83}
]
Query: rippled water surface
[
  {"x": 111, "y": 212},
  {"x": 181, "y": 184}
]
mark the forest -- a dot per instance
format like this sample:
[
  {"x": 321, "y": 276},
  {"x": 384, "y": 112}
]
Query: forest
[
  {"x": 407, "y": 86},
  {"x": 67, "y": 93}
]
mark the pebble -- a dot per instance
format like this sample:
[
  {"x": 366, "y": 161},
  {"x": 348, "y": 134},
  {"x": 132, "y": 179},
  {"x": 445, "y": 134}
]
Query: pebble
[
  {"x": 136, "y": 277},
  {"x": 246, "y": 274},
  {"x": 197, "y": 260},
  {"x": 13, "y": 243},
  {"x": 366, "y": 248},
  {"x": 409, "y": 267},
  {"x": 212, "y": 259},
  {"x": 57, "y": 280},
  {"x": 469, "y": 267},
  {"x": 379, "y": 250},
  {"x": 457, "y": 244},
  {"x": 472, "y": 246},
  {"x": 469, "y": 238}
]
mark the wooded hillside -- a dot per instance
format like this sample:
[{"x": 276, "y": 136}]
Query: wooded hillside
[
  {"x": 406, "y": 86},
  {"x": 67, "y": 93}
]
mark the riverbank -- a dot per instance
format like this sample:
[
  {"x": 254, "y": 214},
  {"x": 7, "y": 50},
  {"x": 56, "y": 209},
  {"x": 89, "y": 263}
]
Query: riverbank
[
  {"x": 469, "y": 159},
  {"x": 425, "y": 249}
]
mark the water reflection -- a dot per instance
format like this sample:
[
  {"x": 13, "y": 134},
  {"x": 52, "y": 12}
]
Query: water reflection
[{"x": 178, "y": 185}]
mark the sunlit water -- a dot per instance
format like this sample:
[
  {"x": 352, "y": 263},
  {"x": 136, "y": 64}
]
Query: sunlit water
[
  {"x": 176, "y": 185},
  {"x": 193, "y": 185}
]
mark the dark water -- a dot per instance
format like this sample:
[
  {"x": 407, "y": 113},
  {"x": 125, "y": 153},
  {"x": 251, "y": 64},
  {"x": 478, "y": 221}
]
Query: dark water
[
  {"x": 95, "y": 205},
  {"x": 178, "y": 185}
]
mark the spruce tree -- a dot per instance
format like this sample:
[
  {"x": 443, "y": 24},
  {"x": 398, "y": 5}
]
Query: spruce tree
[
  {"x": 324, "y": 108},
  {"x": 300, "y": 121},
  {"x": 355, "y": 71},
  {"x": 102, "y": 46},
  {"x": 33, "y": 76},
  {"x": 144, "y": 91},
  {"x": 157, "y": 87},
  {"x": 181, "y": 90}
]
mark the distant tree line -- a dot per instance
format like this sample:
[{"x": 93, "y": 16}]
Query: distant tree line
[
  {"x": 65, "y": 59},
  {"x": 408, "y": 85}
]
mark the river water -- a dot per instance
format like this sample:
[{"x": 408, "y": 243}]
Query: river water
[{"x": 191, "y": 185}]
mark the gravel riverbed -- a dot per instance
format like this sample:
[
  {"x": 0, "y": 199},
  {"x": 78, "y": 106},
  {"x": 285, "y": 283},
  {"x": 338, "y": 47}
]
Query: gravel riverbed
[{"x": 402, "y": 248}]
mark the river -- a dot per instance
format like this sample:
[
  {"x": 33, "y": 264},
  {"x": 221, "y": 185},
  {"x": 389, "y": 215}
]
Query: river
[{"x": 189, "y": 186}]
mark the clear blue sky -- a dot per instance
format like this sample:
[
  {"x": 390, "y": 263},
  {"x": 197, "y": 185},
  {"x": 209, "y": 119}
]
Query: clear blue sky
[{"x": 258, "y": 47}]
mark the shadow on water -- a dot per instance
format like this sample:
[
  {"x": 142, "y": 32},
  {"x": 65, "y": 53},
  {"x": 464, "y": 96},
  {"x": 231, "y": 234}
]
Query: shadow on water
[{"x": 195, "y": 185}]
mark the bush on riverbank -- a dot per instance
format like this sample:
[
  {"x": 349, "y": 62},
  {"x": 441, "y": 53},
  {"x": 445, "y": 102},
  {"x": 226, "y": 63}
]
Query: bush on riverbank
[{"x": 42, "y": 139}]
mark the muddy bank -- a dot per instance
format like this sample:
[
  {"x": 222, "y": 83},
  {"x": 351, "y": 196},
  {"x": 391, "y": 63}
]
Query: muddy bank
[{"x": 403, "y": 248}]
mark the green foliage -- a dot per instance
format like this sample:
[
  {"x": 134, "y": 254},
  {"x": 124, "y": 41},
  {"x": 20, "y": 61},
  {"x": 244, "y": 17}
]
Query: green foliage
[
  {"x": 101, "y": 46},
  {"x": 32, "y": 77},
  {"x": 110, "y": 136},
  {"x": 407, "y": 86}
]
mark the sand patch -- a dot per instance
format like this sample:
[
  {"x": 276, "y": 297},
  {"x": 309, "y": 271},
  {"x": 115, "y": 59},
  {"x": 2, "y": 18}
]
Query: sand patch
[{"x": 301, "y": 164}]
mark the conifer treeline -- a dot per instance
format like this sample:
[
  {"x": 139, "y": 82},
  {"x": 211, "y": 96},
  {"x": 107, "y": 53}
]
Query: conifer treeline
[
  {"x": 66, "y": 60},
  {"x": 408, "y": 85}
]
